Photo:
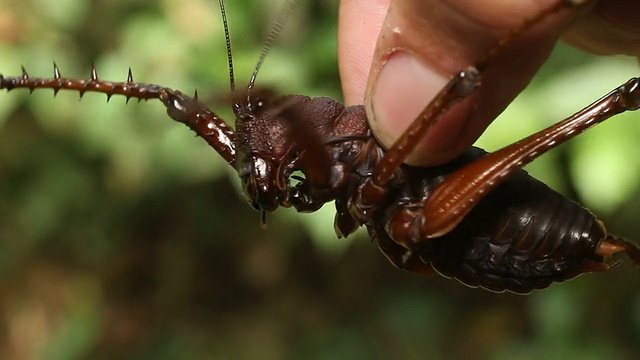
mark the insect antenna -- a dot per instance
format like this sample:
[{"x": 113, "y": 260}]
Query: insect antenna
[
  {"x": 239, "y": 109},
  {"x": 232, "y": 81},
  {"x": 275, "y": 31}
]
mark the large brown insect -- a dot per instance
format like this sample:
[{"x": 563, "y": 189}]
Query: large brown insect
[{"x": 478, "y": 219}]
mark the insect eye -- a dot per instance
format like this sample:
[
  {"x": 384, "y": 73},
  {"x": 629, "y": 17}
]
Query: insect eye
[{"x": 257, "y": 104}]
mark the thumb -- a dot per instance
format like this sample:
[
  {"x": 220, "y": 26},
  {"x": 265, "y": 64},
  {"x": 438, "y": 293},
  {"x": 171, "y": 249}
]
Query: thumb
[{"x": 423, "y": 43}]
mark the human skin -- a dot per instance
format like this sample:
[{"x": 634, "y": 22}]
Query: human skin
[{"x": 395, "y": 55}]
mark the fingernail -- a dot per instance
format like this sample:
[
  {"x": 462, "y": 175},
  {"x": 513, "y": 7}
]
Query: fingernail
[{"x": 404, "y": 87}]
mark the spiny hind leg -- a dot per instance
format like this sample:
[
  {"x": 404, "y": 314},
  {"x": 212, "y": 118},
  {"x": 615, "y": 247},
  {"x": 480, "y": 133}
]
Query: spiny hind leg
[{"x": 474, "y": 181}]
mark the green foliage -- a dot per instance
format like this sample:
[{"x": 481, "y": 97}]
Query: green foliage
[{"x": 123, "y": 236}]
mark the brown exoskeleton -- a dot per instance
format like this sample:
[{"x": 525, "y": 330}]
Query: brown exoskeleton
[{"x": 478, "y": 219}]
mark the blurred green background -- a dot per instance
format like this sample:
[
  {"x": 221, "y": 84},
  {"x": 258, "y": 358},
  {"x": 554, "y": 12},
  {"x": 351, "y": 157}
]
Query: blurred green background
[{"x": 124, "y": 237}]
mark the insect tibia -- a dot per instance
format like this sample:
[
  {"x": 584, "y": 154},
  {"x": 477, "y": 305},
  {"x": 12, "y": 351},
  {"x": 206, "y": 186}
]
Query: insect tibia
[
  {"x": 201, "y": 120},
  {"x": 128, "y": 89}
]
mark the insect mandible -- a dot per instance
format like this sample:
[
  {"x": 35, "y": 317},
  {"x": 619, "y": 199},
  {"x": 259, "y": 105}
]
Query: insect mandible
[{"x": 478, "y": 219}]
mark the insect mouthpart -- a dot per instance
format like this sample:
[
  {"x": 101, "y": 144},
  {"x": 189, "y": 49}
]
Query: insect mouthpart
[{"x": 255, "y": 174}]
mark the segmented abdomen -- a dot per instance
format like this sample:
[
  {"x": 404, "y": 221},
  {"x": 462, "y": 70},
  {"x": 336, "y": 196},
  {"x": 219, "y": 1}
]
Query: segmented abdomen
[{"x": 522, "y": 236}]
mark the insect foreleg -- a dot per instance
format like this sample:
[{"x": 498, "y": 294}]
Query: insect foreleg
[
  {"x": 201, "y": 120},
  {"x": 179, "y": 106}
]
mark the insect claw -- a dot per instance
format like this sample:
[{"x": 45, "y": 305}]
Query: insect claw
[
  {"x": 130, "y": 77},
  {"x": 94, "y": 73},
  {"x": 56, "y": 71},
  {"x": 128, "y": 98},
  {"x": 195, "y": 96},
  {"x": 25, "y": 76}
]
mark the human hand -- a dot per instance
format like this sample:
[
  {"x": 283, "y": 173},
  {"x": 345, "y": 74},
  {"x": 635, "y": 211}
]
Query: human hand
[{"x": 423, "y": 43}]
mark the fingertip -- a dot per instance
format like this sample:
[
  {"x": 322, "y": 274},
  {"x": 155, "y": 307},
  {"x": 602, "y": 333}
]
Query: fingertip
[
  {"x": 402, "y": 89},
  {"x": 423, "y": 44},
  {"x": 359, "y": 24}
]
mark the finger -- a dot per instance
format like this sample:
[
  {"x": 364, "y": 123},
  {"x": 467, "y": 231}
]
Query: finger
[
  {"x": 424, "y": 42},
  {"x": 359, "y": 24},
  {"x": 613, "y": 27}
]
